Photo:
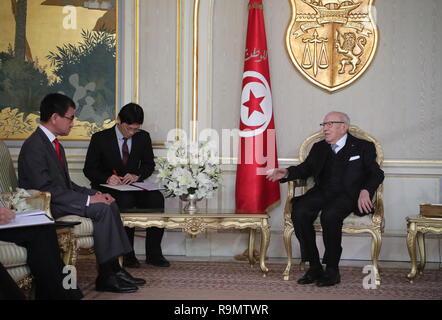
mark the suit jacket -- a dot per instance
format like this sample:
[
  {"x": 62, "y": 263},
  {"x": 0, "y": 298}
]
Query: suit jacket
[
  {"x": 103, "y": 157},
  {"x": 40, "y": 169},
  {"x": 361, "y": 172}
]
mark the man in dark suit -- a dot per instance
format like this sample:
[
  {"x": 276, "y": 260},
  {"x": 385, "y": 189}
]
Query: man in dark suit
[
  {"x": 346, "y": 177},
  {"x": 42, "y": 166},
  {"x": 123, "y": 155},
  {"x": 43, "y": 258}
]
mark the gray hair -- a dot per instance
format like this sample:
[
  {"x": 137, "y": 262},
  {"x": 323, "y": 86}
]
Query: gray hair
[{"x": 343, "y": 115}]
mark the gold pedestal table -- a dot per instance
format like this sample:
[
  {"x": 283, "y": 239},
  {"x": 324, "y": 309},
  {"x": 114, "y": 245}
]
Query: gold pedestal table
[
  {"x": 195, "y": 223},
  {"x": 417, "y": 227}
]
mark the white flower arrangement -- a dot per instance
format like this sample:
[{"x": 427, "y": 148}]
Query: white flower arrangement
[
  {"x": 190, "y": 168},
  {"x": 17, "y": 200}
]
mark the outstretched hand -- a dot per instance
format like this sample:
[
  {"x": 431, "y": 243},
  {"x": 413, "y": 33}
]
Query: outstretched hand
[{"x": 276, "y": 174}]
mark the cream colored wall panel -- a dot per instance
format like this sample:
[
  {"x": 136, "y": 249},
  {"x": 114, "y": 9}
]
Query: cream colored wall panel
[
  {"x": 397, "y": 100},
  {"x": 157, "y": 62},
  {"x": 402, "y": 196}
]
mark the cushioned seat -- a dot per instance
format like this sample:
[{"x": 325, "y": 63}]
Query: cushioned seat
[{"x": 83, "y": 232}]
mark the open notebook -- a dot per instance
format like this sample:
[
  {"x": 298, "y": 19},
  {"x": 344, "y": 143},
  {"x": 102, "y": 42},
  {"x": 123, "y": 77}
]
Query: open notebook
[
  {"x": 136, "y": 186},
  {"x": 28, "y": 218}
]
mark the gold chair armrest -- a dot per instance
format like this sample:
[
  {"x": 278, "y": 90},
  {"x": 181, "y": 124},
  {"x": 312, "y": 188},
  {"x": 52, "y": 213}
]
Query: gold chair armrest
[
  {"x": 378, "y": 216},
  {"x": 292, "y": 185},
  {"x": 38, "y": 200}
]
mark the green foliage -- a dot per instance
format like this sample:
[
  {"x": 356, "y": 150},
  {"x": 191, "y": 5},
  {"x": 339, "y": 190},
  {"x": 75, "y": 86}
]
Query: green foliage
[
  {"x": 22, "y": 84},
  {"x": 93, "y": 60}
]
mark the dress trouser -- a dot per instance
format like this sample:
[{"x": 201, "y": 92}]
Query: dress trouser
[
  {"x": 334, "y": 209},
  {"x": 110, "y": 239},
  {"x": 44, "y": 260},
  {"x": 143, "y": 200}
]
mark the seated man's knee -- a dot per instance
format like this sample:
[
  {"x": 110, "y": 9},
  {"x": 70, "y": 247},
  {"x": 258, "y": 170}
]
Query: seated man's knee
[{"x": 330, "y": 217}]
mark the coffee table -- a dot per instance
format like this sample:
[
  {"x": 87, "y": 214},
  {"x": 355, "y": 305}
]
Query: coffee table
[{"x": 195, "y": 223}]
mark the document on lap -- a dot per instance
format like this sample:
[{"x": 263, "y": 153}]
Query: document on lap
[
  {"x": 28, "y": 218},
  {"x": 136, "y": 186}
]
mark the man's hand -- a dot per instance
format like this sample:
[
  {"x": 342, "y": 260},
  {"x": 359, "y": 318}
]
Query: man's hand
[
  {"x": 364, "y": 202},
  {"x": 6, "y": 215},
  {"x": 114, "y": 180},
  {"x": 102, "y": 198},
  {"x": 276, "y": 174},
  {"x": 129, "y": 178}
]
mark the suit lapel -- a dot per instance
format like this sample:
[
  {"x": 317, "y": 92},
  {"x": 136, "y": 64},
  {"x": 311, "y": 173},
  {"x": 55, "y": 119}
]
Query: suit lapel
[
  {"x": 115, "y": 148},
  {"x": 53, "y": 155},
  {"x": 348, "y": 149}
]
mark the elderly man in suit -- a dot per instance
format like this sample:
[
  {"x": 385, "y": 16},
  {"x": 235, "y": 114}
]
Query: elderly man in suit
[
  {"x": 123, "y": 155},
  {"x": 346, "y": 177},
  {"x": 42, "y": 165}
]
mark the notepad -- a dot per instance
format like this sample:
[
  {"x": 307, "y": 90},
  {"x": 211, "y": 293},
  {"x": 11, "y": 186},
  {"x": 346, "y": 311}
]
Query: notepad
[
  {"x": 26, "y": 219},
  {"x": 136, "y": 186}
]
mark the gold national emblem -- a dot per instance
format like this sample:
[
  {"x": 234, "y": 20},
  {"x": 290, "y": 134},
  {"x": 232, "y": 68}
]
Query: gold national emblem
[{"x": 332, "y": 42}]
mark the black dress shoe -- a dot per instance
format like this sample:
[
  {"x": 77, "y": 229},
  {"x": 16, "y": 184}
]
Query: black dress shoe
[
  {"x": 312, "y": 274},
  {"x": 158, "y": 261},
  {"x": 130, "y": 261},
  {"x": 112, "y": 283},
  {"x": 126, "y": 276},
  {"x": 329, "y": 278}
]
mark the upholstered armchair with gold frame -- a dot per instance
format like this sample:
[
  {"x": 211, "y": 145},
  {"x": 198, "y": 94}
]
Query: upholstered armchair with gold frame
[{"x": 372, "y": 224}]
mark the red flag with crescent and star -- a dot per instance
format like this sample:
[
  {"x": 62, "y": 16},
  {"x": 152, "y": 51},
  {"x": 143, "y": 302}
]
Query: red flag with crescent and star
[{"x": 258, "y": 154}]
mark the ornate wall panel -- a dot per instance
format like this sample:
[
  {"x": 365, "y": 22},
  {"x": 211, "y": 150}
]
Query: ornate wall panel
[{"x": 157, "y": 65}]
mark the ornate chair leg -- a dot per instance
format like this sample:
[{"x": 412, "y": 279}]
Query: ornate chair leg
[
  {"x": 288, "y": 231},
  {"x": 375, "y": 251}
]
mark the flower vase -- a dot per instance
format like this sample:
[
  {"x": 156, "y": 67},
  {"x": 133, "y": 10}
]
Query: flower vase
[{"x": 191, "y": 205}]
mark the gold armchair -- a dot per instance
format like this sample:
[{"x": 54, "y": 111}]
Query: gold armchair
[{"x": 372, "y": 224}]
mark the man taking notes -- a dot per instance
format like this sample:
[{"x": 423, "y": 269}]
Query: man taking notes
[{"x": 122, "y": 155}]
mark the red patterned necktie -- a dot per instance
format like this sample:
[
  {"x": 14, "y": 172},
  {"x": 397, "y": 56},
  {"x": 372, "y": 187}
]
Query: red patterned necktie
[
  {"x": 125, "y": 151},
  {"x": 58, "y": 151}
]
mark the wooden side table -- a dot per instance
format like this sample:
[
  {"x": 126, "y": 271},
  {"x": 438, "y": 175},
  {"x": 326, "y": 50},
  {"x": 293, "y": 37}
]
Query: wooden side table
[{"x": 417, "y": 227}]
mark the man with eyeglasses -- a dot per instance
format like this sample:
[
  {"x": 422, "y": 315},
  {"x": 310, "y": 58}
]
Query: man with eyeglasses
[
  {"x": 122, "y": 155},
  {"x": 42, "y": 166},
  {"x": 346, "y": 176}
]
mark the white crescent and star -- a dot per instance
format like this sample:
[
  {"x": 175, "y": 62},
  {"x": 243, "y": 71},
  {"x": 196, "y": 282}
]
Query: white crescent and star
[{"x": 256, "y": 104}]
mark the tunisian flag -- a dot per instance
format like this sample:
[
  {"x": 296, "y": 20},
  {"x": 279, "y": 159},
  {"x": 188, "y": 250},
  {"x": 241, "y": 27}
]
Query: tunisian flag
[{"x": 254, "y": 193}]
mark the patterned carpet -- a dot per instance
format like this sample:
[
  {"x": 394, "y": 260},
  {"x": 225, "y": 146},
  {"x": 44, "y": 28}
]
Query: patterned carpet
[{"x": 200, "y": 280}]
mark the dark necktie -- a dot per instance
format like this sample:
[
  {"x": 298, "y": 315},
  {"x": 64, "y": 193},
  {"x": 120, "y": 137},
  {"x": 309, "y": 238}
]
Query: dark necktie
[
  {"x": 58, "y": 151},
  {"x": 125, "y": 151}
]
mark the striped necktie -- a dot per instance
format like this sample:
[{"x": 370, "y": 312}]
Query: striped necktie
[{"x": 334, "y": 147}]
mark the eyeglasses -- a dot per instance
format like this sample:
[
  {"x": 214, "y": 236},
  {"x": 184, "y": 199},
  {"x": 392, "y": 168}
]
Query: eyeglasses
[
  {"x": 69, "y": 118},
  {"x": 131, "y": 129},
  {"x": 329, "y": 124}
]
